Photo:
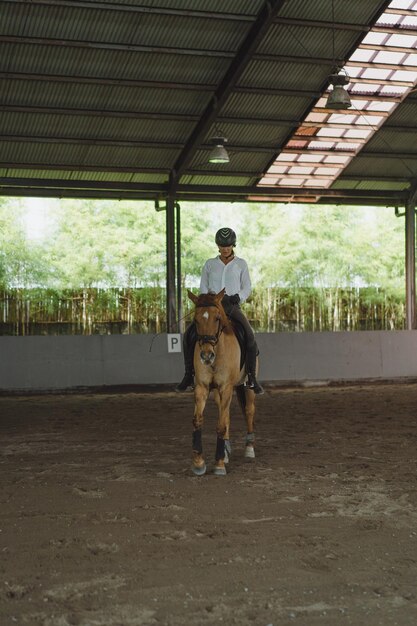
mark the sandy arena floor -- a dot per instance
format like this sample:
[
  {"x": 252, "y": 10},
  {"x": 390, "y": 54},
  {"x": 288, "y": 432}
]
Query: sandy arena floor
[{"x": 103, "y": 524}]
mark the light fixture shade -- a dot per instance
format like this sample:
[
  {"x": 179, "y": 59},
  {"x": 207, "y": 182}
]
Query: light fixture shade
[
  {"x": 219, "y": 153},
  {"x": 338, "y": 98}
]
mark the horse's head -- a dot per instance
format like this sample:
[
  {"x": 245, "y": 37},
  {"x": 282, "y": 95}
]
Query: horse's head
[{"x": 210, "y": 320}]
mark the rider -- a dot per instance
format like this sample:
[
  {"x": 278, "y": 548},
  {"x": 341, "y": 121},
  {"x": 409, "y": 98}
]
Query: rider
[{"x": 230, "y": 272}]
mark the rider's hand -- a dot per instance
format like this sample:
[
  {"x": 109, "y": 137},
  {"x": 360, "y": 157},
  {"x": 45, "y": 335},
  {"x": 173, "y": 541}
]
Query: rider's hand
[{"x": 235, "y": 299}]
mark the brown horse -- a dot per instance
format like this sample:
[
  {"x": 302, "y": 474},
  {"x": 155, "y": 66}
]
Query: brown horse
[{"x": 217, "y": 366}]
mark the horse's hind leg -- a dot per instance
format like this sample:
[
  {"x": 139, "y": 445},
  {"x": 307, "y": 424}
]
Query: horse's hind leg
[
  {"x": 246, "y": 399},
  {"x": 200, "y": 398}
]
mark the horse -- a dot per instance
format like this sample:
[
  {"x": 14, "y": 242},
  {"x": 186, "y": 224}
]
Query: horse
[{"x": 217, "y": 367}]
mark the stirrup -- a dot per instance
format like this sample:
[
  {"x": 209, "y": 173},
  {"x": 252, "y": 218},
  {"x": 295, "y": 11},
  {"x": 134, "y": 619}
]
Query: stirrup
[
  {"x": 253, "y": 384},
  {"x": 187, "y": 381}
]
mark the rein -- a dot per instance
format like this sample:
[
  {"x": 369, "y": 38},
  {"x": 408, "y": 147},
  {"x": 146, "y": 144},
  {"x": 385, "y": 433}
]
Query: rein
[{"x": 211, "y": 339}]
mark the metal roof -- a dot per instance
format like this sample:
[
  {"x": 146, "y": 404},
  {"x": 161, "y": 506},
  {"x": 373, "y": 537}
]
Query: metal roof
[{"x": 119, "y": 98}]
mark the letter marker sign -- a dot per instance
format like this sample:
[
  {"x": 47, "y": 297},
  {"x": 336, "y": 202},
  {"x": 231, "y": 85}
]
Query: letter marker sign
[{"x": 174, "y": 342}]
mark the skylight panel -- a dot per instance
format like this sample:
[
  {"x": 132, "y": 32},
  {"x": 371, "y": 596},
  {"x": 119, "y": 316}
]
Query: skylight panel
[
  {"x": 410, "y": 59},
  {"x": 395, "y": 58},
  {"x": 375, "y": 73},
  {"x": 355, "y": 133},
  {"x": 406, "y": 75},
  {"x": 362, "y": 56},
  {"x": 373, "y": 38},
  {"x": 401, "y": 4},
  {"x": 380, "y": 74},
  {"x": 310, "y": 158},
  {"x": 409, "y": 21},
  {"x": 401, "y": 41},
  {"x": 330, "y": 132},
  {"x": 286, "y": 156}
]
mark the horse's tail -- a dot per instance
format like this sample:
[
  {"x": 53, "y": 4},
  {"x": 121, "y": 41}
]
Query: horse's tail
[{"x": 241, "y": 397}]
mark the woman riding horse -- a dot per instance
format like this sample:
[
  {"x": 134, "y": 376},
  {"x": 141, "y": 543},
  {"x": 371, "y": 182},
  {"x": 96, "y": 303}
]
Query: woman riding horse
[
  {"x": 229, "y": 272},
  {"x": 218, "y": 368}
]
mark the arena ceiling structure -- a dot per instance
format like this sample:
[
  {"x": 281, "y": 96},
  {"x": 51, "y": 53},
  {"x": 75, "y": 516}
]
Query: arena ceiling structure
[{"x": 126, "y": 99}]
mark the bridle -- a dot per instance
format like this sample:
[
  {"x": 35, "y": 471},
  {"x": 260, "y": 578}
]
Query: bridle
[{"x": 211, "y": 339}]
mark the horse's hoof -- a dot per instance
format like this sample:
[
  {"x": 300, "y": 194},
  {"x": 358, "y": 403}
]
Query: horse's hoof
[
  {"x": 199, "y": 470},
  {"x": 219, "y": 471},
  {"x": 249, "y": 452}
]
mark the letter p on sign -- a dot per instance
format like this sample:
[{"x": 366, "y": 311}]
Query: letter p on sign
[{"x": 174, "y": 342}]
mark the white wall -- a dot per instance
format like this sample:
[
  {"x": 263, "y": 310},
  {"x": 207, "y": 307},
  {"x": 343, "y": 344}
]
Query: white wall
[{"x": 53, "y": 363}]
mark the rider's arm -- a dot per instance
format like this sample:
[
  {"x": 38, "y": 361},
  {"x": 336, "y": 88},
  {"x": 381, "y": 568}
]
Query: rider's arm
[{"x": 245, "y": 284}]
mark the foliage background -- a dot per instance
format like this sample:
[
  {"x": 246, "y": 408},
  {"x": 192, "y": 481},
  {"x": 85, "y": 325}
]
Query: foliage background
[{"x": 100, "y": 266}]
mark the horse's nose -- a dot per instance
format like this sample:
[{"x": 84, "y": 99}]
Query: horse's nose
[{"x": 207, "y": 357}]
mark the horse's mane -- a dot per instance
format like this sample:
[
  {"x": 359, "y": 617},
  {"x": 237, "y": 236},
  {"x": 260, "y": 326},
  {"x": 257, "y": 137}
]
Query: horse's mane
[{"x": 207, "y": 299}]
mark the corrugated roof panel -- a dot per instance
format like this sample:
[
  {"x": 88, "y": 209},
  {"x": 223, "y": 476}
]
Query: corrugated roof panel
[
  {"x": 142, "y": 177},
  {"x": 406, "y": 168},
  {"x": 117, "y": 177},
  {"x": 306, "y": 41},
  {"x": 40, "y": 174},
  {"x": 74, "y": 155},
  {"x": 354, "y": 11},
  {"x": 371, "y": 185},
  {"x": 109, "y": 156},
  {"x": 68, "y": 22},
  {"x": 121, "y": 27},
  {"x": 264, "y": 106},
  {"x": 102, "y": 97},
  {"x": 146, "y": 129},
  {"x": 21, "y": 153},
  {"x": 405, "y": 115},
  {"x": 388, "y": 140},
  {"x": 114, "y": 64},
  {"x": 216, "y": 180},
  {"x": 273, "y": 74},
  {"x": 38, "y": 125},
  {"x": 258, "y": 134}
]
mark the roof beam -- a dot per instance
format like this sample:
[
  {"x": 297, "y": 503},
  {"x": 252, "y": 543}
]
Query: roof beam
[
  {"x": 267, "y": 14},
  {"x": 222, "y": 190}
]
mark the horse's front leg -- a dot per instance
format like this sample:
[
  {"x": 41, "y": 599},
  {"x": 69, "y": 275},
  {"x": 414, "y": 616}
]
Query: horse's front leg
[
  {"x": 200, "y": 398},
  {"x": 223, "y": 425}
]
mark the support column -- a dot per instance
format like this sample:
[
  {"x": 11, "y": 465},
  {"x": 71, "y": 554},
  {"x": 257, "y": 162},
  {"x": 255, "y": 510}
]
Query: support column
[
  {"x": 410, "y": 264},
  {"x": 179, "y": 286},
  {"x": 170, "y": 257}
]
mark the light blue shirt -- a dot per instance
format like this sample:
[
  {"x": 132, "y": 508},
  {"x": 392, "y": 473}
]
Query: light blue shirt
[{"x": 234, "y": 277}]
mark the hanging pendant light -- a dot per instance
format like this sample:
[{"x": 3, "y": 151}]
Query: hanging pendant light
[
  {"x": 219, "y": 153},
  {"x": 338, "y": 98}
]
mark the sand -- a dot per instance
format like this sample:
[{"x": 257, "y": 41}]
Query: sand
[{"x": 103, "y": 523}]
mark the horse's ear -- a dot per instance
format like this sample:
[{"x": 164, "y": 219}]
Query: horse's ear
[
  {"x": 192, "y": 297},
  {"x": 219, "y": 296}
]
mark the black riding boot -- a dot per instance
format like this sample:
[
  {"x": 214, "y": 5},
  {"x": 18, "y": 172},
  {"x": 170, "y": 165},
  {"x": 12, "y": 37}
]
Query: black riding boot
[
  {"x": 251, "y": 371},
  {"x": 188, "y": 347},
  {"x": 187, "y": 381}
]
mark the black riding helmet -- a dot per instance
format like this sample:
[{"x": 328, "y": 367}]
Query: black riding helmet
[{"x": 226, "y": 237}]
